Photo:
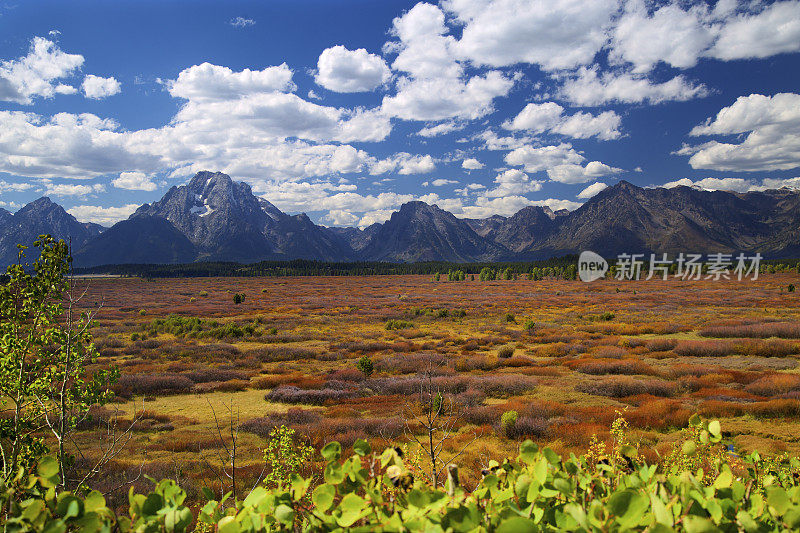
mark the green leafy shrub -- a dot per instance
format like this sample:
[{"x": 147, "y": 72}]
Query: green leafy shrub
[
  {"x": 487, "y": 274},
  {"x": 398, "y": 324},
  {"x": 284, "y": 457},
  {"x": 194, "y": 327},
  {"x": 365, "y": 366},
  {"x": 508, "y": 422}
]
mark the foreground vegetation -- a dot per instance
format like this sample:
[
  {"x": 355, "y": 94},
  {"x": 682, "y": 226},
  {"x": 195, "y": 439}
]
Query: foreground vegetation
[{"x": 604, "y": 490}]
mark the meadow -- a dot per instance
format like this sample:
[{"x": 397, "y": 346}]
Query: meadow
[{"x": 200, "y": 373}]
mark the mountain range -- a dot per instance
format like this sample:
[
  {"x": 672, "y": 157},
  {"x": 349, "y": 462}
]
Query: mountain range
[{"x": 213, "y": 218}]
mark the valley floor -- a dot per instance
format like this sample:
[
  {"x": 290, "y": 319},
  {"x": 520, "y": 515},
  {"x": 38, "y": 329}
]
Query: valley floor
[{"x": 565, "y": 355}]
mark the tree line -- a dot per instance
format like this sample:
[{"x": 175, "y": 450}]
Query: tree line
[{"x": 305, "y": 267}]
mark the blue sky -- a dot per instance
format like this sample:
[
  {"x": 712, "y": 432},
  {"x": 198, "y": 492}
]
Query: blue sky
[{"x": 347, "y": 109}]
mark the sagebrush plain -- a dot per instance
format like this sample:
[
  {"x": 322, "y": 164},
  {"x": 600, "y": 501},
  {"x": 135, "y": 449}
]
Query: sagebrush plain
[{"x": 199, "y": 371}]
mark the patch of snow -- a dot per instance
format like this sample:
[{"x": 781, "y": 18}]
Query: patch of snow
[{"x": 201, "y": 207}]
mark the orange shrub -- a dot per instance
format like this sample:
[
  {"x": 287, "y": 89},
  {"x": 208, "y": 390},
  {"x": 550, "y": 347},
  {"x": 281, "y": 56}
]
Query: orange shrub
[
  {"x": 704, "y": 348},
  {"x": 659, "y": 414},
  {"x": 774, "y": 385}
]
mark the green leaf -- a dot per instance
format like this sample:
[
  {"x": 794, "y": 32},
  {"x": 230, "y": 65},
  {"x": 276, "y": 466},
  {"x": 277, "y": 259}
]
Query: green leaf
[
  {"x": 578, "y": 513},
  {"x": 94, "y": 501},
  {"x": 228, "y": 525},
  {"x": 351, "y": 507},
  {"x": 660, "y": 512},
  {"x": 660, "y": 528},
  {"x": 724, "y": 480},
  {"x": 417, "y": 498},
  {"x": 540, "y": 471},
  {"x": 698, "y": 524},
  {"x": 628, "y": 506},
  {"x": 518, "y": 525},
  {"x": 528, "y": 451},
  {"x": 562, "y": 485},
  {"x": 551, "y": 456},
  {"x": 331, "y": 451},
  {"x": 299, "y": 486},
  {"x": 746, "y": 522},
  {"x": 284, "y": 514},
  {"x": 255, "y": 497},
  {"x": 69, "y": 506},
  {"x": 460, "y": 519},
  {"x": 47, "y": 467},
  {"x": 689, "y": 448},
  {"x": 55, "y": 526},
  {"x": 792, "y": 518},
  {"x": 334, "y": 473},
  {"x": 629, "y": 451},
  {"x": 177, "y": 519},
  {"x": 152, "y": 505},
  {"x": 323, "y": 497},
  {"x": 361, "y": 447},
  {"x": 778, "y": 500}
]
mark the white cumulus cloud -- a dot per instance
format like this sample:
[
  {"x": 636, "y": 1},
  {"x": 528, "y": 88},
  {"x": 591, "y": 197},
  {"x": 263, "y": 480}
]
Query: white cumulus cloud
[
  {"x": 590, "y": 87},
  {"x": 435, "y": 86},
  {"x": 554, "y": 34},
  {"x": 592, "y": 190},
  {"x": 670, "y": 34},
  {"x": 471, "y": 164},
  {"x": 37, "y": 73},
  {"x": 512, "y": 182},
  {"x": 97, "y": 87},
  {"x": 535, "y": 159},
  {"x": 571, "y": 173},
  {"x": 134, "y": 181},
  {"x": 773, "y": 30},
  {"x": 403, "y": 163},
  {"x": 772, "y": 125},
  {"x": 105, "y": 216},
  {"x": 207, "y": 82},
  {"x": 550, "y": 117},
  {"x": 351, "y": 71}
]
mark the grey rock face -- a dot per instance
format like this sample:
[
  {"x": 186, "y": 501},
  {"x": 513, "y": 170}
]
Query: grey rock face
[
  {"x": 422, "y": 232},
  {"x": 37, "y": 218}
]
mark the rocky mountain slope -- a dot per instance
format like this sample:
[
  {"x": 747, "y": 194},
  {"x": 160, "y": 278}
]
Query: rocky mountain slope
[
  {"x": 36, "y": 218},
  {"x": 214, "y": 218},
  {"x": 422, "y": 232}
]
